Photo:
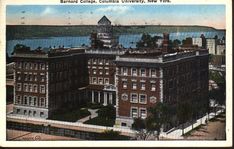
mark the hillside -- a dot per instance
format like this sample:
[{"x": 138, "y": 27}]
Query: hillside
[{"x": 37, "y": 31}]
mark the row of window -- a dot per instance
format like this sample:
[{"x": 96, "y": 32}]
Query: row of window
[
  {"x": 29, "y": 112},
  {"x": 30, "y": 65},
  {"x": 31, "y": 77},
  {"x": 141, "y": 85},
  {"x": 30, "y": 101},
  {"x": 98, "y": 61},
  {"x": 138, "y": 112},
  {"x": 30, "y": 88},
  {"x": 141, "y": 98},
  {"x": 138, "y": 72},
  {"x": 99, "y": 80},
  {"x": 100, "y": 71}
]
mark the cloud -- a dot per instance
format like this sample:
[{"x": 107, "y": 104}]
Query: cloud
[
  {"x": 114, "y": 9},
  {"x": 48, "y": 10}
]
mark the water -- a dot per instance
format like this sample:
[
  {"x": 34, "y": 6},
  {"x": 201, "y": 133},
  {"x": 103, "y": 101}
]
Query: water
[{"x": 126, "y": 40}]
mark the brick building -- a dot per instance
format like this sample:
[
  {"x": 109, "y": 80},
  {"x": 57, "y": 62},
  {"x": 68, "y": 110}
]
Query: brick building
[
  {"x": 47, "y": 81},
  {"x": 144, "y": 79}
]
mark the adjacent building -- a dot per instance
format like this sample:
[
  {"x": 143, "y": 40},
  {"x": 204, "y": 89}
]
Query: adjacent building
[{"x": 143, "y": 79}]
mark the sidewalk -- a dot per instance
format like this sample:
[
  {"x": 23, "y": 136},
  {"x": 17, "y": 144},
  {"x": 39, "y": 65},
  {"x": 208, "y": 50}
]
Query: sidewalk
[
  {"x": 177, "y": 134},
  {"x": 93, "y": 115}
]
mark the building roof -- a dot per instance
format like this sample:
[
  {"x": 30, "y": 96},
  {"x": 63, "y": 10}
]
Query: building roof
[{"x": 104, "y": 21}]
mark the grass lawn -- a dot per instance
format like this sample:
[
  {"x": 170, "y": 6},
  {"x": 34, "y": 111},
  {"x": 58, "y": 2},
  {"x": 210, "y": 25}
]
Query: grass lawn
[
  {"x": 71, "y": 116},
  {"x": 101, "y": 121}
]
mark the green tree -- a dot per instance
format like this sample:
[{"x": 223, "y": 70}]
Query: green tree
[
  {"x": 183, "y": 114},
  {"x": 110, "y": 135},
  {"x": 21, "y": 48},
  {"x": 176, "y": 43},
  {"x": 107, "y": 112},
  {"x": 158, "y": 116}
]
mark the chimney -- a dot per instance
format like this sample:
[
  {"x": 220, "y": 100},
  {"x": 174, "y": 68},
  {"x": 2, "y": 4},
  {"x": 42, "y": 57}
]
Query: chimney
[{"x": 165, "y": 44}]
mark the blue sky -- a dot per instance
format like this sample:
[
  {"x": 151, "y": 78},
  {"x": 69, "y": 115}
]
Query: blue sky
[{"x": 208, "y": 15}]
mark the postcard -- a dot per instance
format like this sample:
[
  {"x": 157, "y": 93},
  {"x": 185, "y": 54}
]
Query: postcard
[{"x": 103, "y": 73}]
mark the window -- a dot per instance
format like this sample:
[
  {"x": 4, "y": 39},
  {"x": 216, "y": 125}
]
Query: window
[
  {"x": 35, "y": 66},
  {"x": 25, "y": 87},
  {"x": 94, "y": 61},
  {"x": 153, "y": 87},
  {"x": 42, "y": 102},
  {"x": 25, "y": 100},
  {"x": 123, "y": 124},
  {"x": 18, "y": 99},
  {"x": 18, "y": 77},
  {"x": 134, "y": 112},
  {"x": 134, "y": 85},
  {"x": 30, "y": 65},
  {"x": 142, "y": 86},
  {"x": 25, "y": 65},
  {"x": 19, "y": 64},
  {"x": 42, "y": 78},
  {"x": 94, "y": 71},
  {"x": 35, "y": 88},
  {"x": 134, "y": 98},
  {"x": 34, "y": 101},
  {"x": 106, "y": 81},
  {"x": 153, "y": 73},
  {"x": 153, "y": 99},
  {"x": 143, "y": 72},
  {"x": 100, "y": 81},
  {"x": 100, "y": 72},
  {"x": 18, "y": 111},
  {"x": 94, "y": 80},
  {"x": 124, "y": 97},
  {"x": 18, "y": 86},
  {"x": 42, "y": 88},
  {"x": 30, "y": 88},
  {"x": 125, "y": 84},
  {"x": 25, "y": 112},
  {"x": 143, "y": 99},
  {"x": 34, "y": 113},
  {"x": 89, "y": 61},
  {"x": 30, "y": 77},
  {"x": 35, "y": 78},
  {"x": 30, "y": 101},
  {"x": 41, "y": 114},
  {"x": 143, "y": 113},
  {"x": 107, "y": 62},
  {"x": 100, "y": 61},
  {"x": 134, "y": 72},
  {"x": 42, "y": 66},
  {"x": 25, "y": 77},
  {"x": 124, "y": 71},
  {"x": 106, "y": 71}
]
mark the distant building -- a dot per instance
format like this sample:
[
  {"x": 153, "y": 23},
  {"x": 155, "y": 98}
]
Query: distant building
[
  {"x": 105, "y": 33},
  {"x": 197, "y": 41},
  {"x": 211, "y": 45},
  {"x": 220, "y": 49}
]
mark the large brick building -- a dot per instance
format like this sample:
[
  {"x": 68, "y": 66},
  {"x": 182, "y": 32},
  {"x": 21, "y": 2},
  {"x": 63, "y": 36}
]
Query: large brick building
[
  {"x": 48, "y": 80},
  {"x": 144, "y": 79}
]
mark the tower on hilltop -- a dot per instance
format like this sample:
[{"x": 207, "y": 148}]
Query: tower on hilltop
[{"x": 105, "y": 33}]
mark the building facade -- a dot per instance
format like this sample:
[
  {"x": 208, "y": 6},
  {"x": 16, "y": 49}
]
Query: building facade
[
  {"x": 144, "y": 80},
  {"x": 48, "y": 82}
]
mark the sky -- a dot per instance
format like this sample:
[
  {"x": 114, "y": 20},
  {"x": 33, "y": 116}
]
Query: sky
[{"x": 205, "y": 15}]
